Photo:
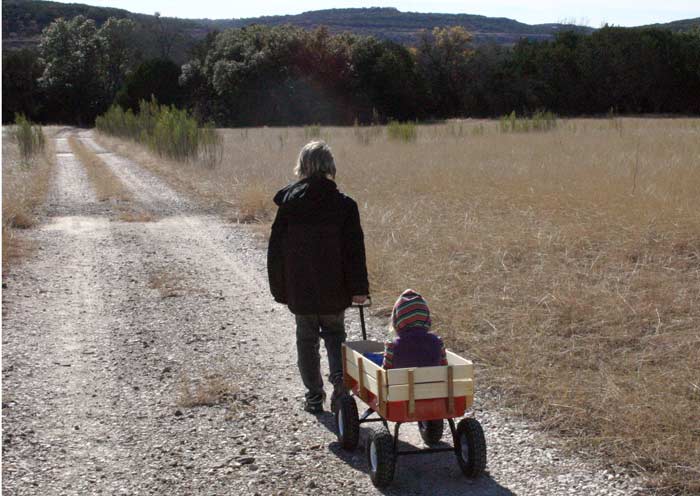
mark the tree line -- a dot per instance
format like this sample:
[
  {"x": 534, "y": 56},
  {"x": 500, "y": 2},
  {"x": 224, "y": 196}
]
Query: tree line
[{"x": 284, "y": 75}]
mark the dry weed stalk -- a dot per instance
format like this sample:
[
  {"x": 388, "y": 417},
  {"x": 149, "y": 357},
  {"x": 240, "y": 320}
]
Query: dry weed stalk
[
  {"x": 577, "y": 299},
  {"x": 167, "y": 283},
  {"x": 134, "y": 215},
  {"x": 212, "y": 389},
  {"x": 26, "y": 182}
]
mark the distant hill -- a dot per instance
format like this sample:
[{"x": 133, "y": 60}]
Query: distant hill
[
  {"x": 403, "y": 27},
  {"x": 23, "y": 21},
  {"x": 682, "y": 25}
]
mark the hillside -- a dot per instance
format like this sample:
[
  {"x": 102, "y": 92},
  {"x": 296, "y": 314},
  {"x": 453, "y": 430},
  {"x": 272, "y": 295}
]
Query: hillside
[
  {"x": 403, "y": 27},
  {"x": 23, "y": 20},
  {"x": 682, "y": 25}
]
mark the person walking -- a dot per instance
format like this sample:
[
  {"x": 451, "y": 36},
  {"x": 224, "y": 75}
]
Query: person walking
[{"x": 316, "y": 266}]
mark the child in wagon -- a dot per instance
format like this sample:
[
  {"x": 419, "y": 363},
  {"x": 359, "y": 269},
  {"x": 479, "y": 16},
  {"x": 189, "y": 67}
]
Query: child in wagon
[{"x": 415, "y": 345}]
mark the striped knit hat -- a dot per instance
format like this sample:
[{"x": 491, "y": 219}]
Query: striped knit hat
[{"x": 410, "y": 310}]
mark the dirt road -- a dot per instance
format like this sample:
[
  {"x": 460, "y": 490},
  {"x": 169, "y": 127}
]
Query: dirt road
[{"x": 111, "y": 329}]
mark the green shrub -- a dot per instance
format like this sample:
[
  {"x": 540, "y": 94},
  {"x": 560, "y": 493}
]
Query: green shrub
[
  {"x": 540, "y": 121},
  {"x": 168, "y": 131},
  {"x": 313, "y": 131},
  {"x": 30, "y": 137},
  {"x": 402, "y": 131}
]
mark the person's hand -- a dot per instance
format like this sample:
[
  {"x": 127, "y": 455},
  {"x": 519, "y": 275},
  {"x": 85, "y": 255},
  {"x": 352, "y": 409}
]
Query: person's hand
[{"x": 359, "y": 299}]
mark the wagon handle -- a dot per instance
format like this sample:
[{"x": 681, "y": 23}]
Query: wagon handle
[{"x": 361, "y": 307}]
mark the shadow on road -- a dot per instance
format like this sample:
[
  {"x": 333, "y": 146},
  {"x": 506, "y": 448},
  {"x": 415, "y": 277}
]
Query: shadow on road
[{"x": 436, "y": 473}]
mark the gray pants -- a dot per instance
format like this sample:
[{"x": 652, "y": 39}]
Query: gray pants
[{"x": 309, "y": 329}]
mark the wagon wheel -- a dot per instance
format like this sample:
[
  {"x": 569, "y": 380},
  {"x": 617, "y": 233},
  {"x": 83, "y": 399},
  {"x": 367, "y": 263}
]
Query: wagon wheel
[
  {"x": 470, "y": 447},
  {"x": 431, "y": 431},
  {"x": 380, "y": 457},
  {"x": 347, "y": 423}
]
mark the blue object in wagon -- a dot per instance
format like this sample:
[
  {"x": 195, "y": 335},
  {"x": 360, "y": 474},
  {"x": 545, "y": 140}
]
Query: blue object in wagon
[{"x": 377, "y": 358}]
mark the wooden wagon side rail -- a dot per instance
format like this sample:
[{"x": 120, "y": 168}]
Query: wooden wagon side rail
[{"x": 386, "y": 390}]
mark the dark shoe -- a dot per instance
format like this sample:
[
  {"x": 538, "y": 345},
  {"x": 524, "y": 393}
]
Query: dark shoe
[
  {"x": 315, "y": 404},
  {"x": 313, "y": 407}
]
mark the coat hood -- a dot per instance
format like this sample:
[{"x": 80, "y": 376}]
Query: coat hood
[{"x": 305, "y": 195}]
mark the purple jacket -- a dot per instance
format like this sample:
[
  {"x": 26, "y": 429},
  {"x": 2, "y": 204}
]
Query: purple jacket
[{"x": 414, "y": 347}]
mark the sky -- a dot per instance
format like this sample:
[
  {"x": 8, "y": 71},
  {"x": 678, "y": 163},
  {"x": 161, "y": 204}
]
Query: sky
[{"x": 593, "y": 13}]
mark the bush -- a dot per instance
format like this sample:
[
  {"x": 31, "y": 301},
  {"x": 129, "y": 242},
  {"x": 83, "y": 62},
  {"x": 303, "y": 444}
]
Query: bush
[
  {"x": 168, "y": 131},
  {"x": 313, "y": 131},
  {"x": 402, "y": 131},
  {"x": 30, "y": 138},
  {"x": 540, "y": 121}
]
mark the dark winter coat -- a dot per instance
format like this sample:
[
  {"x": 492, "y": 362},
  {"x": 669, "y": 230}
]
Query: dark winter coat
[{"x": 316, "y": 256}]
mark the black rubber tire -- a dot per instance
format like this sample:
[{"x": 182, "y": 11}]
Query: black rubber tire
[
  {"x": 431, "y": 431},
  {"x": 382, "y": 462},
  {"x": 345, "y": 413},
  {"x": 470, "y": 447}
]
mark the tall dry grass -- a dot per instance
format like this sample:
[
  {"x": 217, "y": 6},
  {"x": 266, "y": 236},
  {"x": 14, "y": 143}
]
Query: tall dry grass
[
  {"x": 566, "y": 263},
  {"x": 106, "y": 183},
  {"x": 27, "y": 168}
]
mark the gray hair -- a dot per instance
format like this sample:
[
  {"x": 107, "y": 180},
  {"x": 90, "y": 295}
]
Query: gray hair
[{"x": 315, "y": 159}]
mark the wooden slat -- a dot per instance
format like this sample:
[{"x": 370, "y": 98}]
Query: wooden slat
[
  {"x": 428, "y": 382},
  {"x": 450, "y": 390},
  {"x": 368, "y": 381},
  {"x": 411, "y": 393},
  {"x": 369, "y": 365},
  {"x": 346, "y": 378},
  {"x": 361, "y": 378},
  {"x": 462, "y": 387},
  {"x": 428, "y": 374},
  {"x": 381, "y": 393}
]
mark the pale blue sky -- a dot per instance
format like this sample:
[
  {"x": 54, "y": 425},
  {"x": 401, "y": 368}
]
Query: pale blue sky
[{"x": 591, "y": 12}]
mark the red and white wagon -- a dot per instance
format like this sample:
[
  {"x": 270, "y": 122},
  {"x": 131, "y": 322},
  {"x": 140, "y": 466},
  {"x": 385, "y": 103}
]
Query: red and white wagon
[{"x": 427, "y": 395}]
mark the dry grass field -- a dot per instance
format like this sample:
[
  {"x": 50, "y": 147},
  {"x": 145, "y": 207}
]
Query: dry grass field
[
  {"x": 566, "y": 263},
  {"x": 24, "y": 188}
]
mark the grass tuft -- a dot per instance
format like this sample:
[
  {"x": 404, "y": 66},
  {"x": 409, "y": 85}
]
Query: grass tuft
[
  {"x": 402, "y": 131},
  {"x": 212, "y": 389},
  {"x": 167, "y": 283},
  {"x": 313, "y": 131},
  {"x": 30, "y": 138},
  {"x": 27, "y": 169},
  {"x": 540, "y": 121}
]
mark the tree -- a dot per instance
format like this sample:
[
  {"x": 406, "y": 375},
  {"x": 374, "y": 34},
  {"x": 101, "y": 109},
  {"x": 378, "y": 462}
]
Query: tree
[
  {"x": 442, "y": 58},
  {"x": 20, "y": 92},
  {"x": 73, "y": 74},
  {"x": 166, "y": 35},
  {"x": 154, "y": 78},
  {"x": 84, "y": 66},
  {"x": 385, "y": 76},
  {"x": 116, "y": 39}
]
